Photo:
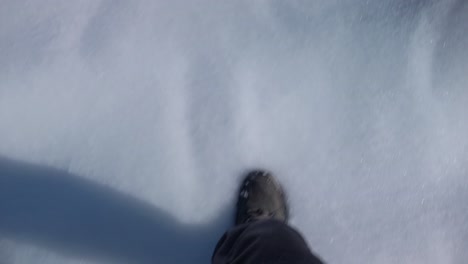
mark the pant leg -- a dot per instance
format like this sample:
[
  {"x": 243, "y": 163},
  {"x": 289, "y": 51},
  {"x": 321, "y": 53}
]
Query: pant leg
[{"x": 265, "y": 241}]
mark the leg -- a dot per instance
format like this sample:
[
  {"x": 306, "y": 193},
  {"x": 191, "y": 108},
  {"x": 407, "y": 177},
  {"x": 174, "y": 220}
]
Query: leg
[{"x": 265, "y": 241}]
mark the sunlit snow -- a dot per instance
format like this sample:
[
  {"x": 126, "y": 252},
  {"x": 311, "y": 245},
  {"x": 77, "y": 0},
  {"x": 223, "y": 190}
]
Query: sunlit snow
[{"x": 359, "y": 107}]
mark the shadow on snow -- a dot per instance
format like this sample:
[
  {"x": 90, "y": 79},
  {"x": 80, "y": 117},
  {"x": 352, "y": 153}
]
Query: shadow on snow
[{"x": 77, "y": 217}]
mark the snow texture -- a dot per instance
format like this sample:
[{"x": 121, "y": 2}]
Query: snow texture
[{"x": 125, "y": 126}]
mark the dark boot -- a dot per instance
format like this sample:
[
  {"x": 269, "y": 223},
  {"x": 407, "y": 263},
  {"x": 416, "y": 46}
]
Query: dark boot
[{"x": 261, "y": 197}]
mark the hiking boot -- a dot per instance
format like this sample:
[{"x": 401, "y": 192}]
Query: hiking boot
[{"x": 261, "y": 197}]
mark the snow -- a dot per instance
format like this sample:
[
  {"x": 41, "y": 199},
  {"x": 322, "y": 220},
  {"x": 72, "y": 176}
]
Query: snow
[{"x": 152, "y": 110}]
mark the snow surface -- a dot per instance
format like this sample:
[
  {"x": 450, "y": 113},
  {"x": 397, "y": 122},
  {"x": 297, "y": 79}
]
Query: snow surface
[{"x": 152, "y": 110}]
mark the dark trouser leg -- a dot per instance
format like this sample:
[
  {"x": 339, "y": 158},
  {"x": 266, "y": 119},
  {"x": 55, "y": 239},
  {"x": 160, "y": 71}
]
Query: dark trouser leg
[{"x": 264, "y": 241}]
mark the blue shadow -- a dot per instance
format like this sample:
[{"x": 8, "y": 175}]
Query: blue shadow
[{"x": 76, "y": 217}]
